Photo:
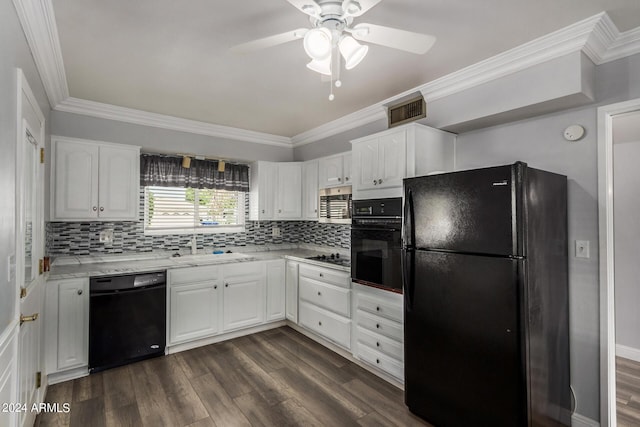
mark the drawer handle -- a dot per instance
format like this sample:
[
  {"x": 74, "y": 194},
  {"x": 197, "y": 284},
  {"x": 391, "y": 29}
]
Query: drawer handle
[
  {"x": 319, "y": 293},
  {"x": 377, "y": 344},
  {"x": 320, "y": 323},
  {"x": 377, "y": 325}
]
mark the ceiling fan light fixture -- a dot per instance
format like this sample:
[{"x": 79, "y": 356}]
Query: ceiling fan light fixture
[
  {"x": 317, "y": 43},
  {"x": 352, "y": 52},
  {"x": 322, "y": 67}
]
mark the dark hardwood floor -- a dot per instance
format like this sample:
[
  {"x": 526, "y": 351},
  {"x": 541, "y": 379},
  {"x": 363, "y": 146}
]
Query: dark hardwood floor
[
  {"x": 274, "y": 378},
  {"x": 627, "y": 392}
]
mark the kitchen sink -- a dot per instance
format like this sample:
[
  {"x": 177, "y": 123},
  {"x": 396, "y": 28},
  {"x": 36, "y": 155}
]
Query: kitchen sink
[{"x": 210, "y": 257}]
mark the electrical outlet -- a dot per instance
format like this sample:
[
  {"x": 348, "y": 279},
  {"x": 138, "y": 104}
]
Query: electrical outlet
[
  {"x": 275, "y": 232},
  {"x": 106, "y": 236},
  {"x": 582, "y": 249}
]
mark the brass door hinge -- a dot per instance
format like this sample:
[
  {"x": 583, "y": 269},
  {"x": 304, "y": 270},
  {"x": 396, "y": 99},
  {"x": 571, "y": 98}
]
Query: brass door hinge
[
  {"x": 38, "y": 379},
  {"x": 23, "y": 292},
  {"x": 42, "y": 155},
  {"x": 41, "y": 266}
]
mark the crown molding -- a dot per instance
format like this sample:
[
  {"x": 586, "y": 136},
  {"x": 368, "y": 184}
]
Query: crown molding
[
  {"x": 597, "y": 37},
  {"x": 139, "y": 117},
  {"x": 39, "y": 26}
]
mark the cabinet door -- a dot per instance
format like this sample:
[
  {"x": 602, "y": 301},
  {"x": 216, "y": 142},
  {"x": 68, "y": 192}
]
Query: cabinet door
[
  {"x": 292, "y": 291},
  {"x": 310, "y": 190},
  {"x": 331, "y": 172},
  {"x": 346, "y": 168},
  {"x": 392, "y": 161},
  {"x": 119, "y": 183},
  {"x": 275, "y": 290},
  {"x": 73, "y": 323},
  {"x": 365, "y": 158},
  {"x": 268, "y": 176},
  {"x": 289, "y": 191},
  {"x": 243, "y": 302},
  {"x": 194, "y": 311},
  {"x": 75, "y": 180}
]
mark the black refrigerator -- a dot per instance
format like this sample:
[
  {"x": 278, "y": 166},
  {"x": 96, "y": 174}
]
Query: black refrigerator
[{"x": 486, "y": 297}]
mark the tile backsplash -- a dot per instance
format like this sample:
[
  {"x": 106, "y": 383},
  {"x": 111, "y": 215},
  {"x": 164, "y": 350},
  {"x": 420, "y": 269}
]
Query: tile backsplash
[{"x": 83, "y": 238}]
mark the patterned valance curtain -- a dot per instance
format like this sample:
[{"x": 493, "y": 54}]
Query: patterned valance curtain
[{"x": 167, "y": 171}]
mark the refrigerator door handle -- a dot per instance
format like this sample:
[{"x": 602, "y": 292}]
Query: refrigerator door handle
[
  {"x": 408, "y": 234},
  {"x": 408, "y": 279}
]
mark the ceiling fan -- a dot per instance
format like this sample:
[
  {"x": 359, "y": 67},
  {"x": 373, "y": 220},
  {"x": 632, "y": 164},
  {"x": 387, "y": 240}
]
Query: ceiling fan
[{"x": 333, "y": 32}]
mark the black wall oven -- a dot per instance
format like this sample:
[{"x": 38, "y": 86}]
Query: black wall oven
[{"x": 376, "y": 243}]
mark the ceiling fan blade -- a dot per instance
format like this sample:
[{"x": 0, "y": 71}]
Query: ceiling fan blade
[
  {"x": 310, "y": 7},
  {"x": 392, "y": 37},
  {"x": 270, "y": 41},
  {"x": 365, "y": 5}
]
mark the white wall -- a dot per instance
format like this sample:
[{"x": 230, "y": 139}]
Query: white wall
[
  {"x": 14, "y": 52},
  {"x": 626, "y": 179}
]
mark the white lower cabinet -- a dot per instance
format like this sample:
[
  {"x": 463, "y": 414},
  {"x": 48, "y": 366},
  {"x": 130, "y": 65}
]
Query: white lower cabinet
[
  {"x": 291, "y": 292},
  {"x": 379, "y": 331},
  {"x": 67, "y": 324},
  {"x": 325, "y": 303},
  {"x": 243, "y": 295},
  {"x": 275, "y": 290}
]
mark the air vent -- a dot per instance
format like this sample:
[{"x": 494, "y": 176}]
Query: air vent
[{"x": 406, "y": 112}]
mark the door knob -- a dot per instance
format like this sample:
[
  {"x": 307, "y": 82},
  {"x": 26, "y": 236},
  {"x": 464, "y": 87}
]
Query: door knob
[{"x": 31, "y": 318}]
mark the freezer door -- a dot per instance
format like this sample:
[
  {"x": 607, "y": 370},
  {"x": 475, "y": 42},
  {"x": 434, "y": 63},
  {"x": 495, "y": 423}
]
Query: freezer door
[
  {"x": 470, "y": 211},
  {"x": 463, "y": 350}
]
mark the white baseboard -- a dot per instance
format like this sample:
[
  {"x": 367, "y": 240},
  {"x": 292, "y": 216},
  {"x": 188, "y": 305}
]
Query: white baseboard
[
  {"x": 578, "y": 420},
  {"x": 628, "y": 352}
]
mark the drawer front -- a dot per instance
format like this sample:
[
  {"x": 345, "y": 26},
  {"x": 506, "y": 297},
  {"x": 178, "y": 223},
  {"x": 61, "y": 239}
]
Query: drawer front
[
  {"x": 327, "y": 275},
  {"x": 391, "y": 348},
  {"x": 381, "y": 361},
  {"x": 328, "y": 325},
  {"x": 381, "y": 325},
  {"x": 326, "y": 296},
  {"x": 390, "y": 309},
  {"x": 193, "y": 274},
  {"x": 244, "y": 269}
]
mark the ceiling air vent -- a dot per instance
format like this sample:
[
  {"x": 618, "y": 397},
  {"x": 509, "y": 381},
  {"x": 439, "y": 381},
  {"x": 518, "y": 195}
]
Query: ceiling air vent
[{"x": 407, "y": 111}]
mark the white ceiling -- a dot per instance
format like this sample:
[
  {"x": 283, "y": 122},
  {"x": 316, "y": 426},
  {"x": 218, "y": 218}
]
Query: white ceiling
[{"x": 171, "y": 57}]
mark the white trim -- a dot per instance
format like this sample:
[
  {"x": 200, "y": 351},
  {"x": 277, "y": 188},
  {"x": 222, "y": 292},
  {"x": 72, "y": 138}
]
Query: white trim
[
  {"x": 606, "y": 236},
  {"x": 628, "y": 352},
  {"x": 39, "y": 26},
  {"x": 144, "y": 118},
  {"x": 597, "y": 37},
  {"x": 578, "y": 420}
]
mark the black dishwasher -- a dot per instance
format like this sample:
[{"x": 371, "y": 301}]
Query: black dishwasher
[{"x": 127, "y": 319}]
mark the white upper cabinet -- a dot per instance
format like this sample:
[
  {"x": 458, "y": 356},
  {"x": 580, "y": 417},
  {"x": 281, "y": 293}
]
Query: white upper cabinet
[
  {"x": 94, "y": 180},
  {"x": 381, "y": 161},
  {"x": 335, "y": 170},
  {"x": 310, "y": 190},
  {"x": 275, "y": 191},
  {"x": 289, "y": 191}
]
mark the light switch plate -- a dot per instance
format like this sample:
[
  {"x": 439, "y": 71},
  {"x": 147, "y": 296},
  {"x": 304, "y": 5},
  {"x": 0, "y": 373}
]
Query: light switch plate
[
  {"x": 582, "y": 249},
  {"x": 275, "y": 232}
]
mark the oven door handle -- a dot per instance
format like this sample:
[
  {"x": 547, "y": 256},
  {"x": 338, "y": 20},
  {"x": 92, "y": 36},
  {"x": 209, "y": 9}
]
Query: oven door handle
[{"x": 357, "y": 228}]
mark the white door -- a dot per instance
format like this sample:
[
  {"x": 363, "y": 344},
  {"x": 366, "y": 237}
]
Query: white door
[
  {"x": 292, "y": 291},
  {"x": 310, "y": 190},
  {"x": 365, "y": 155},
  {"x": 29, "y": 250},
  {"x": 243, "y": 302},
  {"x": 119, "y": 177},
  {"x": 75, "y": 180},
  {"x": 392, "y": 159},
  {"x": 194, "y": 311},
  {"x": 275, "y": 290},
  {"x": 289, "y": 192},
  {"x": 331, "y": 171}
]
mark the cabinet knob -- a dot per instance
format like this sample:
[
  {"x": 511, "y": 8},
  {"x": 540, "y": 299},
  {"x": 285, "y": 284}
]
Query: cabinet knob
[
  {"x": 346, "y": 178},
  {"x": 79, "y": 291},
  {"x": 321, "y": 275},
  {"x": 375, "y": 182},
  {"x": 377, "y": 360},
  {"x": 226, "y": 285},
  {"x": 379, "y": 181},
  {"x": 101, "y": 209},
  {"x": 377, "y": 344},
  {"x": 377, "y": 308},
  {"x": 279, "y": 210},
  {"x": 377, "y": 325},
  {"x": 315, "y": 210},
  {"x": 262, "y": 210},
  {"x": 95, "y": 208},
  {"x": 339, "y": 179},
  {"x": 319, "y": 323},
  {"x": 319, "y": 293},
  {"x": 215, "y": 286}
]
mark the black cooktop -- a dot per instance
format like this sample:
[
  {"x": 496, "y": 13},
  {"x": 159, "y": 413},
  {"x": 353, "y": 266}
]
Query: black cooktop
[{"x": 332, "y": 259}]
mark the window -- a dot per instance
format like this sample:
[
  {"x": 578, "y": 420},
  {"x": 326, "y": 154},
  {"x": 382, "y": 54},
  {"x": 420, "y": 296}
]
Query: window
[{"x": 179, "y": 210}]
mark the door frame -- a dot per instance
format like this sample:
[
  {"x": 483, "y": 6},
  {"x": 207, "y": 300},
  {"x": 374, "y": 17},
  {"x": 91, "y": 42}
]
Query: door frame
[{"x": 606, "y": 114}]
